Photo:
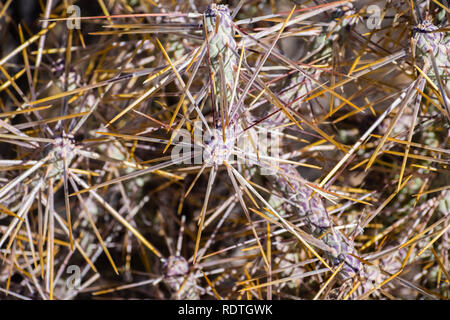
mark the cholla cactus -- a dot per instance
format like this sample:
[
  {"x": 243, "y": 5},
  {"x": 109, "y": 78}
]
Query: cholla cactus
[
  {"x": 289, "y": 152},
  {"x": 221, "y": 51},
  {"x": 431, "y": 40},
  {"x": 180, "y": 280},
  {"x": 318, "y": 221},
  {"x": 434, "y": 47}
]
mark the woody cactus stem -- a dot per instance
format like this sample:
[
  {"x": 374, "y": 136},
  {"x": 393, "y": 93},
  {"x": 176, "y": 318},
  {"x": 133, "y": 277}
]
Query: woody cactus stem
[
  {"x": 312, "y": 207},
  {"x": 221, "y": 44},
  {"x": 317, "y": 220},
  {"x": 430, "y": 42},
  {"x": 434, "y": 47},
  {"x": 177, "y": 277}
]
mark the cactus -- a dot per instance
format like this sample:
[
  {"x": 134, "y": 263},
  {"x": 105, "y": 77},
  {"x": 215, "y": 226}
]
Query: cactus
[{"x": 251, "y": 150}]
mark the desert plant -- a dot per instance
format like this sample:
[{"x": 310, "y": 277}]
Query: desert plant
[{"x": 253, "y": 150}]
